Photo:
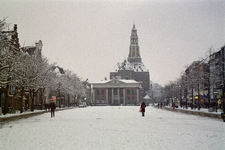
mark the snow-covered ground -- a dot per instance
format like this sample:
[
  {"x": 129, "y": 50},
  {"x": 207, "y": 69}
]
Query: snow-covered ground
[{"x": 113, "y": 128}]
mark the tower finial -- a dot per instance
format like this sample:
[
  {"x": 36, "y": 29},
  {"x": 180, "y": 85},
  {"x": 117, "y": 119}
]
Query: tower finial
[{"x": 134, "y": 25}]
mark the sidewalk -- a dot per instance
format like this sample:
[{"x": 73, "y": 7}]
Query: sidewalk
[
  {"x": 202, "y": 112},
  {"x": 26, "y": 114}
]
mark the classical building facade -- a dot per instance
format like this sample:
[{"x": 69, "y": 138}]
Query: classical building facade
[
  {"x": 116, "y": 92},
  {"x": 133, "y": 68}
]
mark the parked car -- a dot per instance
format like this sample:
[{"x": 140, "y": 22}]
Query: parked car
[{"x": 82, "y": 104}]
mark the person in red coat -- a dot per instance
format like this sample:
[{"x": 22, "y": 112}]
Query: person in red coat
[
  {"x": 52, "y": 106},
  {"x": 143, "y": 105}
]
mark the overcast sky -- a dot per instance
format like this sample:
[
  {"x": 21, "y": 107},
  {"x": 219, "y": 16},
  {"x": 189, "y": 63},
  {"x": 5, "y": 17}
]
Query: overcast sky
[{"x": 90, "y": 37}]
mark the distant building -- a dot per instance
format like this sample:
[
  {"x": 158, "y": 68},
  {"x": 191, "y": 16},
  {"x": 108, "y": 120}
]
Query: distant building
[
  {"x": 33, "y": 50},
  {"x": 133, "y": 68},
  {"x": 196, "y": 86},
  {"x": 115, "y": 92},
  {"x": 217, "y": 73}
]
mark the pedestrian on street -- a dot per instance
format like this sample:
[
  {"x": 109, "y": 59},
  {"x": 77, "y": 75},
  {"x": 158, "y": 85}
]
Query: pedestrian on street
[
  {"x": 52, "y": 106},
  {"x": 143, "y": 108}
]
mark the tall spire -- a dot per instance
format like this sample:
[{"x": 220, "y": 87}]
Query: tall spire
[
  {"x": 133, "y": 26},
  {"x": 134, "y": 53}
]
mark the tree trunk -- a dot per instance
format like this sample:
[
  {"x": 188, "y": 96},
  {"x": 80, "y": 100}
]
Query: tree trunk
[
  {"x": 192, "y": 97},
  {"x": 59, "y": 100},
  {"x": 68, "y": 100},
  {"x": 5, "y": 111},
  {"x": 0, "y": 99},
  {"x": 209, "y": 97},
  {"x": 64, "y": 101},
  {"x": 21, "y": 100},
  {"x": 74, "y": 100},
  {"x": 41, "y": 95},
  {"x": 32, "y": 99}
]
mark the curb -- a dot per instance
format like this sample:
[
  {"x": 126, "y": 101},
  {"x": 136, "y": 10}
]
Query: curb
[
  {"x": 26, "y": 115},
  {"x": 203, "y": 114}
]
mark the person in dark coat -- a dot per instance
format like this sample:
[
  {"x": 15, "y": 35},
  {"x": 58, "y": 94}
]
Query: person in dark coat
[
  {"x": 52, "y": 106},
  {"x": 143, "y": 105}
]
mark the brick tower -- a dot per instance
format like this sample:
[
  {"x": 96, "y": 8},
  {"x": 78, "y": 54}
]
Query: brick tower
[{"x": 133, "y": 68}]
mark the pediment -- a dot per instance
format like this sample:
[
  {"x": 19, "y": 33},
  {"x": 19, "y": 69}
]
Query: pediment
[{"x": 115, "y": 82}]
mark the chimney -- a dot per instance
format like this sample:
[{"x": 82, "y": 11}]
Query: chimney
[{"x": 15, "y": 27}]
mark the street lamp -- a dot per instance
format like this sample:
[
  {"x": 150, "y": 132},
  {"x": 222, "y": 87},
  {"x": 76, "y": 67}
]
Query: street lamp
[{"x": 59, "y": 95}]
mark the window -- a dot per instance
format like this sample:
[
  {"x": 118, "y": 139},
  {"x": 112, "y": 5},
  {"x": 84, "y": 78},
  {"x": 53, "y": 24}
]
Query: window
[
  {"x": 115, "y": 92},
  {"x": 97, "y": 92},
  {"x": 103, "y": 92},
  {"x": 133, "y": 91},
  {"x": 121, "y": 92},
  {"x": 103, "y": 101},
  {"x": 128, "y": 100},
  {"x": 128, "y": 91},
  {"x": 110, "y": 91}
]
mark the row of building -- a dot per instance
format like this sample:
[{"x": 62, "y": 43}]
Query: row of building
[
  {"x": 128, "y": 84},
  {"x": 206, "y": 79}
]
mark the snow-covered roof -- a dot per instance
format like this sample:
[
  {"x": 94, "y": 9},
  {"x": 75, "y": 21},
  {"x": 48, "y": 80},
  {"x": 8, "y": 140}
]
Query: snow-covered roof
[
  {"x": 135, "y": 66},
  {"x": 146, "y": 97},
  {"x": 59, "y": 70},
  {"x": 121, "y": 80}
]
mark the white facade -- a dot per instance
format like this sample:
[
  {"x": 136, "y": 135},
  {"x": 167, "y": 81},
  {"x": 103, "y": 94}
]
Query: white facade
[{"x": 116, "y": 92}]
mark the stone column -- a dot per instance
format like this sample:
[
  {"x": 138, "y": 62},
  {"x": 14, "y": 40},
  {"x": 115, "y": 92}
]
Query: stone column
[
  {"x": 112, "y": 95},
  {"x": 137, "y": 95},
  {"x": 93, "y": 100},
  {"x": 118, "y": 95},
  {"x": 124, "y": 96},
  {"x": 107, "y": 97}
]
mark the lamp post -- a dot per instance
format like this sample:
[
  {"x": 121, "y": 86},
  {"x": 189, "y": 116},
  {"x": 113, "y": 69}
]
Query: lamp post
[
  {"x": 215, "y": 101},
  {"x": 59, "y": 95},
  {"x": 180, "y": 94}
]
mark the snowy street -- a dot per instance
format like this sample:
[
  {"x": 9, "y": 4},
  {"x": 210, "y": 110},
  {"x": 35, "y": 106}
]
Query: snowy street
[{"x": 113, "y": 128}]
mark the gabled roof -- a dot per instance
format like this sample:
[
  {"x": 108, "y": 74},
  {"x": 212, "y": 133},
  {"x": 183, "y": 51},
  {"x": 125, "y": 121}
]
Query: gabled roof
[{"x": 146, "y": 97}]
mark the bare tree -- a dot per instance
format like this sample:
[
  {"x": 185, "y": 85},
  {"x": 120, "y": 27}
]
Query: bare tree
[{"x": 9, "y": 58}]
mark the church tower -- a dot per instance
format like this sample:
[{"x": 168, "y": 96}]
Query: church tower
[
  {"x": 134, "y": 54},
  {"x": 133, "y": 68}
]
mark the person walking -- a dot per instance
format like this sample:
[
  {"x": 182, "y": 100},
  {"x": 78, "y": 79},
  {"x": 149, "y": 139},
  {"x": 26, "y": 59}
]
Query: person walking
[
  {"x": 52, "y": 107},
  {"x": 143, "y": 108}
]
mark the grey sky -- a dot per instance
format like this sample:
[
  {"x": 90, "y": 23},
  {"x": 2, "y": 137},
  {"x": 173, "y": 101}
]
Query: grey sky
[{"x": 90, "y": 37}]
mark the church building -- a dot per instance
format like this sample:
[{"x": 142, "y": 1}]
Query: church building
[
  {"x": 128, "y": 84},
  {"x": 133, "y": 68}
]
